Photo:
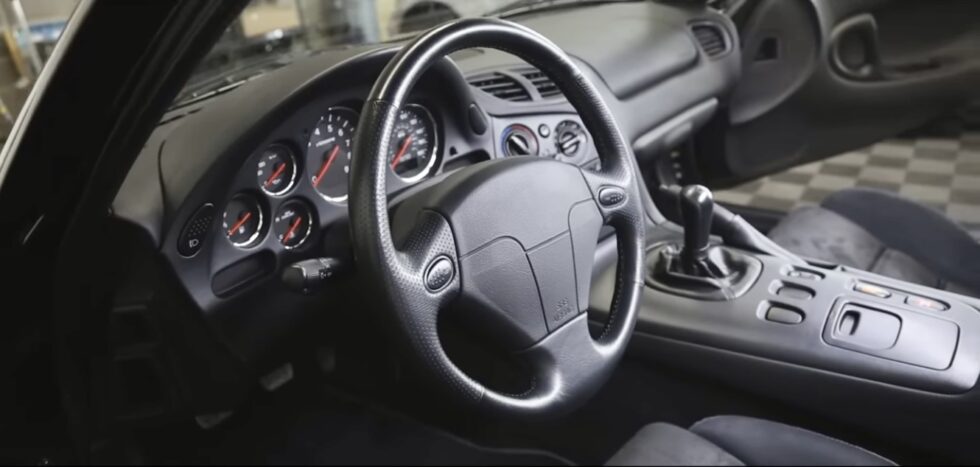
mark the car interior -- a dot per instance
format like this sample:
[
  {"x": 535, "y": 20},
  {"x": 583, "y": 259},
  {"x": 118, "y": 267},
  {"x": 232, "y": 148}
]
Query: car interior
[{"x": 495, "y": 241}]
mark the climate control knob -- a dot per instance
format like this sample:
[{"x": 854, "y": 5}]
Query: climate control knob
[
  {"x": 570, "y": 139},
  {"x": 519, "y": 140}
]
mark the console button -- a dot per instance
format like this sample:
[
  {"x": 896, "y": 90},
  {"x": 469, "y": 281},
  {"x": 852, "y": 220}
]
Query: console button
[
  {"x": 872, "y": 290},
  {"x": 784, "y": 315},
  {"x": 796, "y": 293},
  {"x": 927, "y": 303},
  {"x": 812, "y": 276}
]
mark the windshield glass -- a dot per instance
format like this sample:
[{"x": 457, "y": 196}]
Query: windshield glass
[{"x": 271, "y": 33}]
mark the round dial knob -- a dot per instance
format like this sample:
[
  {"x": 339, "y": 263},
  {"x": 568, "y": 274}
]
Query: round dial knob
[
  {"x": 570, "y": 139},
  {"x": 519, "y": 140}
]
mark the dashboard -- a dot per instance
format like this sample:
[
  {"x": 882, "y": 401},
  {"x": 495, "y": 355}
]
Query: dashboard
[
  {"x": 295, "y": 187},
  {"x": 236, "y": 191}
]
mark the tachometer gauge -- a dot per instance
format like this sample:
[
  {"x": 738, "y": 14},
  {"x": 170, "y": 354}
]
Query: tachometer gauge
[
  {"x": 276, "y": 170},
  {"x": 242, "y": 221},
  {"x": 293, "y": 224},
  {"x": 412, "y": 150},
  {"x": 329, "y": 151}
]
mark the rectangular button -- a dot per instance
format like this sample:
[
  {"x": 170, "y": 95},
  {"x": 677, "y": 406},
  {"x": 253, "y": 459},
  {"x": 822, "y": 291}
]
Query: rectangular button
[
  {"x": 784, "y": 315},
  {"x": 926, "y": 303},
  {"x": 804, "y": 275},
  {"x": 872, "y": 290},
  {"x": 798, "y": 293}
]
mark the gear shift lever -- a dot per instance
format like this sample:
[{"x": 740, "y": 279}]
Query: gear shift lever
[
  {"x": 697, "y": 210},
  {"x": 699, "y": 269}
]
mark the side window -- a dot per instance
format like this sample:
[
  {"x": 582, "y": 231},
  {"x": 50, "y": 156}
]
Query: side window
[{"x": 30, "y": 29}]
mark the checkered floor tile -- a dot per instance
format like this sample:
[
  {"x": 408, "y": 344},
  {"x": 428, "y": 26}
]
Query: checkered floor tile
[{"x": 943, "y": 173}]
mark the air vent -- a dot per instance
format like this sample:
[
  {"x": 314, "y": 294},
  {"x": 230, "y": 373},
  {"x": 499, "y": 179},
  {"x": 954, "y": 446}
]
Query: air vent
[
  {"x": 712, "y": 39},
  {"x": 545, "y": 86},
  {"x": 501, "y": 86}
]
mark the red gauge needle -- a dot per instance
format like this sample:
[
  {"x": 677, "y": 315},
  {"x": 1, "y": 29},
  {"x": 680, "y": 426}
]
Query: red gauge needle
[
  {"x": 326, "y": 166},
  {"x": 240, "y": 223},
  {"x": 276, "y": 174},
  {"x": 292, "y": 230},
  {"x": 401, "y": 152}
]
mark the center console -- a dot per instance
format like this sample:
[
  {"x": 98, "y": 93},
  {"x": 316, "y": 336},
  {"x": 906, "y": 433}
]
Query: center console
[{"x": 839, "y": 322}]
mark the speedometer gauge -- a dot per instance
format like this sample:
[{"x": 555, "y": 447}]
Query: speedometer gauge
[
  {"x": 412, "y": 148},
  {"x": 329, "y": 151}
]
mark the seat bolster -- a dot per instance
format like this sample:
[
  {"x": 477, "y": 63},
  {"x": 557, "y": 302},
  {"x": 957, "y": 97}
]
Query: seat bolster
[
  {"x": 926, "y": 235},
  {"x": 665, "y": 444},
  {"x": 761, "y": 442},
  {"x": 818, "y": 233}
]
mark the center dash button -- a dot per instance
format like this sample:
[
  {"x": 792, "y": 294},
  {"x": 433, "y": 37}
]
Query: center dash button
[{"x": 872, "y": 290}]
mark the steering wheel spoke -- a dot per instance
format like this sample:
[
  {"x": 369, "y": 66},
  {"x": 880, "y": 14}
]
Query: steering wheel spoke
[
  {"x": 428, "y": 255},
  {"x": 613, "y": 193}
]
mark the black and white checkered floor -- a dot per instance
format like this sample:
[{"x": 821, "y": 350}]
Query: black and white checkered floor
[{"x": 943, "y": 173}]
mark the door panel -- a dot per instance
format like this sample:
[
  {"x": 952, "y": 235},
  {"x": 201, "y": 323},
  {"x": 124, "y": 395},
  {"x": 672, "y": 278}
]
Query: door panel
[{"x": 821, "y": 77}]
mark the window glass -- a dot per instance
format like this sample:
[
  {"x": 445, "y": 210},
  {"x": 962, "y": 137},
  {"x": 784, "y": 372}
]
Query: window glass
[{"x": 30, "y": 29}]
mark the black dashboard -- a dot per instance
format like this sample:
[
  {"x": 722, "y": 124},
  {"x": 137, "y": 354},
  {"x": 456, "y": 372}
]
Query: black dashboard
[{"x": 235, "y": 189}]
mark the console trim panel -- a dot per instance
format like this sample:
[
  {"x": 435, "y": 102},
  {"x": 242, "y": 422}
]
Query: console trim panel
[{"x": 739, "y": 326}]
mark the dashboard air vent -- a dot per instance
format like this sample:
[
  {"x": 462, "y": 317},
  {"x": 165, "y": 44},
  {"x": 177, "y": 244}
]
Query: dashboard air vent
[
  {"x": 711, "y": 37},
  {"x": 501, "y": 86},
  {"x": 545, "y": 86}
]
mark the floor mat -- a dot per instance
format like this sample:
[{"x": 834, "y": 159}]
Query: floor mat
[
  {"x": 943, "y": 173},
  {"x": 312, "y": 426}
]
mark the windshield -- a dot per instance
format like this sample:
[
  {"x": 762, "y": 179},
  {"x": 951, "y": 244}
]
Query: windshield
[{"x": 271, "y": 33}]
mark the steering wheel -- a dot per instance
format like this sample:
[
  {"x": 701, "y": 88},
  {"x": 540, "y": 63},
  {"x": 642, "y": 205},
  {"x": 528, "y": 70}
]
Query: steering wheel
[{"x": 509, "y": 244}]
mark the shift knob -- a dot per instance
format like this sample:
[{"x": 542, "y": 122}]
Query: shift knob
[{"x": 697, "y": 209}]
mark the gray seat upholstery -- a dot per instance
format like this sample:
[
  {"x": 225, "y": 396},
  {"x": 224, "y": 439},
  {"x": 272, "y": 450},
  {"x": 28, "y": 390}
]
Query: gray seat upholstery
[
  {"x": 734, "y": 440},
  {"x": 883, "y": 233}
]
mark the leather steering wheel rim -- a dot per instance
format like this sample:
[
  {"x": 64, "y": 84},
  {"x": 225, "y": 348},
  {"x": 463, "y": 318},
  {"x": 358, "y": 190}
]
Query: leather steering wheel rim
[{"x": 568, "y": 365}]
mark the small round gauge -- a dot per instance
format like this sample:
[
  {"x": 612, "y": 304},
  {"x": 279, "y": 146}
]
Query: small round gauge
[
  {"x": 329, "y": 151},
  {"x": 412, "y": 150},
  {"x": 293, "y": 224},
  {"x": 276, "y": 172},
  {"x": 242, "y": 221}
]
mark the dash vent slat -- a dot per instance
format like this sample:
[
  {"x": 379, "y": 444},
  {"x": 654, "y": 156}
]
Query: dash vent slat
[
  {"x": 501, "y": 86},
  {"x": 545, "y": 85},
  {"x": 711, "y": 38}
]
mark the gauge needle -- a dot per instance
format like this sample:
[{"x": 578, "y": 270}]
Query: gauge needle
[
  {"x": 326, "y": 166},
  {"x": 401, "y": 152},
  {"x": 276, "y": 174},
  {"x": 292, "y": 230},
  {"x": 240, "y": 223}
]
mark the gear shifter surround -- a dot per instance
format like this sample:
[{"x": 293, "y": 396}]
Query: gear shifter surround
[{"x": 698, "y": 269}]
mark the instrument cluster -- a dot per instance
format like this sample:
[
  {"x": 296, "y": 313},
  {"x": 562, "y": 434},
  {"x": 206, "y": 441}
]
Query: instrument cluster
[{"x": 287, "y": 171}]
